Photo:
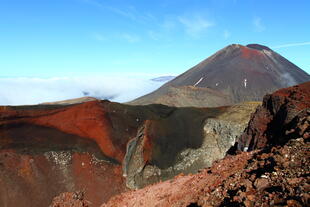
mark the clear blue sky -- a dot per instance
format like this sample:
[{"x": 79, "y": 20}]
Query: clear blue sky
[{"x": 74, "y": 37}]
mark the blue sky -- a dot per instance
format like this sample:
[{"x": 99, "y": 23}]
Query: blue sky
[{"x": 45, "y": 38}]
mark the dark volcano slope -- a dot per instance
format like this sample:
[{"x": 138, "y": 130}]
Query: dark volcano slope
[
  {"x": 104, "y": 148},
  {"x": 234, "y": 74}
]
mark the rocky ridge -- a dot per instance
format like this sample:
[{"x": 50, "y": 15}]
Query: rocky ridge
[
  {"x": 274, "y": 173},
  {"x": 275, "y": 121}
]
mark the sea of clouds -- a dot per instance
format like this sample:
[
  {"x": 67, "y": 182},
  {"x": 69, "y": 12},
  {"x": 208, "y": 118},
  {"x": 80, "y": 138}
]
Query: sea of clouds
[{"x": 30, "y": 90}]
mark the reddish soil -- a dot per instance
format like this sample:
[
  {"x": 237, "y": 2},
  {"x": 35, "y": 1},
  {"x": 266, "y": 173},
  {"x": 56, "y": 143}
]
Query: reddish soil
[
  {"x": 75, "y": 199},
  {"x": 34, "y": 179}
]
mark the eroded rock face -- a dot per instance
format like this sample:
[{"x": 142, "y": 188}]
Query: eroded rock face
[{"x": 276, "y": 120}]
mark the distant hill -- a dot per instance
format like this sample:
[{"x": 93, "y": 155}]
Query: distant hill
[
  {"x": 71, "y": 101},
  {"x": 234, "y": 74},
  {"x": 163, "y": 78}
]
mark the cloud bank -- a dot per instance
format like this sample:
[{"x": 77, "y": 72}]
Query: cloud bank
[{"x": 24, "y": 91}]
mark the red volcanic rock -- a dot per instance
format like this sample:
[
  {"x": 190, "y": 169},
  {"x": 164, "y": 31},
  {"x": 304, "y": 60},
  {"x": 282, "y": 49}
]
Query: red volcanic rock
[
  {"x": 275, "y": 121},
  {"x": 75, "y": 199},
  {"x": 261, "y": 183}
]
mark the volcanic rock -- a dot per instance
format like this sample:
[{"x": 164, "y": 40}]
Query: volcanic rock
[
  {"x": 49, "y": 149},
  {"x": 234, "y": 74},
  {"x": 283, "y": 115},
  {"x": 261, "y": 183},
  {"x": 75, "y": 199}
]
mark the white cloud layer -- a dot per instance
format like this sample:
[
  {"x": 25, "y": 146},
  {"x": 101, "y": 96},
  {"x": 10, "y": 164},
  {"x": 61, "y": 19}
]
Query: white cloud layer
[{"x": 23, "y": 91}]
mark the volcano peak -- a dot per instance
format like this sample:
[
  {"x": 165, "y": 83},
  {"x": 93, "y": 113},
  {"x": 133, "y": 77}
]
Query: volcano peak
[
  {"x": 258, "y": 47},
  {"x": 238, "y": 73}
]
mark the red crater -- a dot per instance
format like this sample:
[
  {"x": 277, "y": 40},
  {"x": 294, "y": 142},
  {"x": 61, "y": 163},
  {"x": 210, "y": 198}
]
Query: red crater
[
  {"x": 249, "y": 53},
  {"x": 85, "y": 120},
  {"x": 88, "y": 120},
  {"x": 49, "y": 149}
]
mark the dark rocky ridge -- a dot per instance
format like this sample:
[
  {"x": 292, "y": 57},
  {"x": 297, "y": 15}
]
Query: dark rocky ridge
[
  {"x": 234, "y": 74},
  {"x": 275, "y": 121}
]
